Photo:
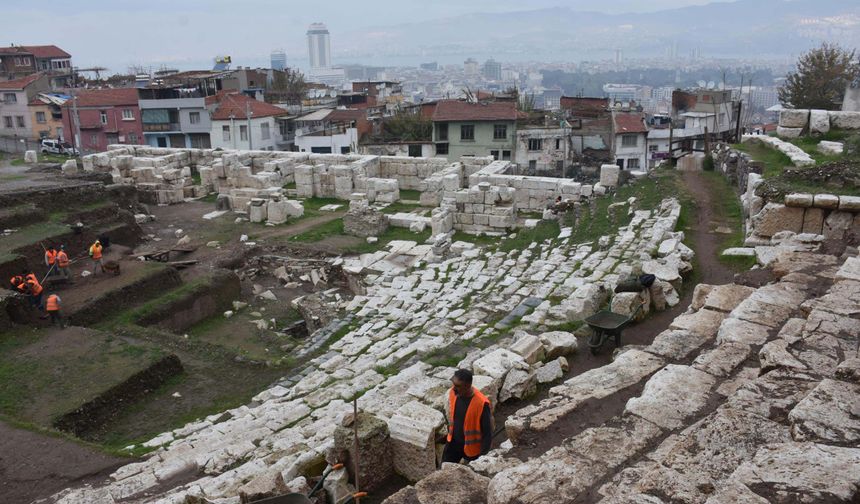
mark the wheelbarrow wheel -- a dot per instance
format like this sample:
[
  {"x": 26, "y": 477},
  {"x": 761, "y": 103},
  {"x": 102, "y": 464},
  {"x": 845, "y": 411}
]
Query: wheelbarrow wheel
[{"x": 595, "y": 341}]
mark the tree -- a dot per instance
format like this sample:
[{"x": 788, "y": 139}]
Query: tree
[
  {"x": 288, "y": 86},
  {"x": 820, "y": 79}
]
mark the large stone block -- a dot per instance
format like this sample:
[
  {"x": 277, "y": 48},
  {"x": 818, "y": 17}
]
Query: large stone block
[
  {"x": 413, "y": 431},
  {"x": 794, "y": 118},
  {"x": 819, "y": 122},
  {"x": 783, "y": 132},
  {"x": 775, "y": 218},
  {"x": 837, "y": 224},
  {"x": 813, "y": 221},
  {"x": 845, "y": 120},
  {"x": 673, "y": 395},
  {"x": 374, "y": 448},
  {"x": 609, "y": 175}
]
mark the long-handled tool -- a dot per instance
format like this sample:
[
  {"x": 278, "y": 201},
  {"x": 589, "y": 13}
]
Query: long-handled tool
[{"x": 299, "y": 498}]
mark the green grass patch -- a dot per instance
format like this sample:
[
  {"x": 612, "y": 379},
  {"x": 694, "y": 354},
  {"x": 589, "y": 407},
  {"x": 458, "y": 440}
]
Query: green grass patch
[
  {"x": 545, "y": 230},
  {"x": 774, "y": 161},
  {"x": 31, "y": 235},
  {"x": 317, "y": 203},
  {"x": 321, "y": 232},
  {"x": 392, "y": 234},
  {"x": 410, "y": 194},
  {"x": 444, "y": 357},
  {"x": 134, "y": 315},
  {"x": 399, "y": 206},
  {"x": 289, "y": 185},
  {"x": 209, "y": 198},
  {"x": 481, "y": 240},
  {"x": 727, "y": 207}
]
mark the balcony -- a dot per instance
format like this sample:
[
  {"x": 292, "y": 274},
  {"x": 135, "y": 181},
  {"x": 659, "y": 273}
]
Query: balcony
[{"x": 160, "y": 127}]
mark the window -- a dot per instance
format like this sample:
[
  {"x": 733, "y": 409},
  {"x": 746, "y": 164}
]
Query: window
[
  {"x": 26, "y": 60},
  {"x": 103, "y": 117},
  {"x": 40, "y": 117},
  {"x": 7, "y": 121},
  {"x": 94, "y": 140},
  {"x": 652, "y": 148},
  {"x": 194, "y": 117},
  {"x": 414, "y": 151},
  {"x": 500, "y": 132},
  {"x": 243, "y": 133},
  {"x": 60, "y": 133},
  {"x": 467, "y": 132},
  {"x": 20, "y": 121},
  {"x": 442, "y": 148},
  {"x": 344, "y": 150},
  {"x": 44, "y": 134},
  {"x": 535, "y": 144},
  {"x": 127, "y": 114},
  {"x": 506, "y": 155},
  {"x": 10, "y": 98},
  {"x": 442, "y": 132},
  {"x": 264, "y": 131},
  {"x": 225, "y": 133},
  {"x": 629, "y": 140},
  {"x": 633, "y": 164},
  {"x": 532, "y": 166},
  {"x": 495, "y": 154},
  {"x": 132, "y": 137},
  {"x": 558, "y": 144}
]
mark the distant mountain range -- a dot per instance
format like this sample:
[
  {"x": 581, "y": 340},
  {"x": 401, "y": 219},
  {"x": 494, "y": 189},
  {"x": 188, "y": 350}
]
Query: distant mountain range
[{"x": 746, "y": 28}]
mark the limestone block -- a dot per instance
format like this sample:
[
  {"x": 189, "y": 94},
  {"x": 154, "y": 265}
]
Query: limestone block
[
  {"x": 830, "y": 148},
  {"x": 849, "y": 204},
  {"x": 819, "y": 122},
  {"x": 627, "y": 303},
  {"x": 413, "y": 429},
  {"x": 276, "y": 212},
  {"x": 223, "y": 202},
  {"x": 672, "y": 395},
  {"x": 826, "y": 201},
  {"x": 497, "y": 363},
  {"x": 520, "y": 382},
  {"x": 813, "y": 221},
  {"x": 794, "y": 118},
  {"x": 552, "y": 371},
  {"x": 452, "y": 484},
  {"x": 609, "y": 175},
  {"x": 529, "y": 347},
  {"x": 798, "y": 200},
  {"x": 558, "y": 343},
  {"x": 70, "y": 167},
  {"x": 837, "y": 224},
  {"x": 374, "y": 446},
  {"x": 257, "y": 212},
  {"x": 775, "y": 218},
  {"x": 30, "y": 157},
  {"x": 844, "y": 120},
  {"x": 783, "y": 132},
  {"x": 828, "y": 414}
]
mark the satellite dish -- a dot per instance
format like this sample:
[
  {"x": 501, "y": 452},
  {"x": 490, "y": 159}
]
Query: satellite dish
[
  {"x": 712, "y": 84},
  {"x": 702, "y": 83}
]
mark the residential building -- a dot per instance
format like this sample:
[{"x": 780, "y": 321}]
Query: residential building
[
  {"x": 328, "y": 131},
  {"x": 20, "y": 61},
  {"x": 714, "y": 109},
  {"x": 175, "y": 117},
  {"x": 462, "y": 129},
  {"x": 629, "y": 140},
  {"x": 105, "y": 117},
  {"x": 46, "y": 115},
  {"x": 590, "y": 123},
  {"x": 319, "y": 46},
  {"x": 241, "y": 122},
  {"x": 15, "y": 95},
  {"x": 492, "y": 70},
  {"x": 620, "y": 93},
  {"x": 279, "y": 59},
  {"x": 552, "y": 98},
  {"x": 543, "y": 150},
  {"x": 470, "y": 67}
]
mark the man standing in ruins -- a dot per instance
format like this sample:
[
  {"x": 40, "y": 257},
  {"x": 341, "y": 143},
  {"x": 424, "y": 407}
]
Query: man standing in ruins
[
  {"x": 96, "y": 255},
  {"x": 470, "y": 422}
]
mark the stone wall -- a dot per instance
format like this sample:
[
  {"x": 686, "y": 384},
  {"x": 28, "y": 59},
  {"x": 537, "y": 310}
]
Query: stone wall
[{"x": 794, "y": 123}]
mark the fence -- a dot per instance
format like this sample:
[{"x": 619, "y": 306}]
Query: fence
[{"x": 15, "y": 145}]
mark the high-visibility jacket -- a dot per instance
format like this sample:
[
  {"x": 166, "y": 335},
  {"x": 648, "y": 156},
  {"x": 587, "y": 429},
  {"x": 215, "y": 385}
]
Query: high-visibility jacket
[
  {"x": 472, "y": 422},
  {"x": 52, "y": 303},
  {"x": 50, "y": 256},
  {"x": 96, "y": 250},
  {"x": 16, "y": 280},
  {"x": 35, "y": 286},
  {"x": 62, "y": 259}
]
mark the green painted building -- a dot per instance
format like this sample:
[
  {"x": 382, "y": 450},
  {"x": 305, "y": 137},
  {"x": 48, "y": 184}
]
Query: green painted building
[{"x": 479, "y": 129}]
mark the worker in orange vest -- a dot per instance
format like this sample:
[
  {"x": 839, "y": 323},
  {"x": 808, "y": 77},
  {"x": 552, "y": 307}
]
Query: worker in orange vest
[
  {"x": 96, "y": 255},
  {"x": 63, "y": 263},
  {"x": 470, "y": 424},
  {"x": 52, "y": 306},
  {"x": 51, "y": 259},
  {"x": 34, "y": 289},
  {"x": 18, "y": 284}
]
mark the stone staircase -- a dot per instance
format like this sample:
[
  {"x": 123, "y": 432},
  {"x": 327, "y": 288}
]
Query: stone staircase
[{"x": 753, "y": 395}]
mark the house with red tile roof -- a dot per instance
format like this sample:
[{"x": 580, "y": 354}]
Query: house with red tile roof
[
  {"x": 15, "y": 95},
  {"x": 629, "y": 140},
  {"x": 19, "y": 61},
  {"x": 105, "y": 117},
  {"x": 242, "y": 122},
  {"x": 462, "y": 128}
]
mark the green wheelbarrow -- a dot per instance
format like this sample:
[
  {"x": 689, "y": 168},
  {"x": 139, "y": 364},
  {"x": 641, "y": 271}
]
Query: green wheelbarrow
[
  {"x": 608, "y": 324},
  {"x": 298, "y": 498}
]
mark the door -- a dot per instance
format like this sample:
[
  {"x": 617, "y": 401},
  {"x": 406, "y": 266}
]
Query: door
[{"x": 162, "y": 141}]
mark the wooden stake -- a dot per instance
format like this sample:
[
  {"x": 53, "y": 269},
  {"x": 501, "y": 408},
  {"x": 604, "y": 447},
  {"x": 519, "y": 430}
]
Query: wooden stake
[{"x": 355, "y": 463}]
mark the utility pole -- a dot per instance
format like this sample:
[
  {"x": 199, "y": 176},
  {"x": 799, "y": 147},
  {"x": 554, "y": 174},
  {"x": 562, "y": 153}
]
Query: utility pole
[
  {"x": 248, "y": 117},
  {"x": 76, "y": 124}
]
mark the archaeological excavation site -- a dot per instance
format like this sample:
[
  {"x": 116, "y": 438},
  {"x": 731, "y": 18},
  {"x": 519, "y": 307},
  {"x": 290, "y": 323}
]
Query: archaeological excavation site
[{"x": 252, "y": 326}]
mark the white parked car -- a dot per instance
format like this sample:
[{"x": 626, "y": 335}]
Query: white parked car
[{"x": 49, "y": 146}]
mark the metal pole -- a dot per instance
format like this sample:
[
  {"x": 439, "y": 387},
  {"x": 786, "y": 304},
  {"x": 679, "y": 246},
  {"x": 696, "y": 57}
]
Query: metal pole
[
  {"x": 250, "y": 132},
  {"x": 355, "y": 460}
]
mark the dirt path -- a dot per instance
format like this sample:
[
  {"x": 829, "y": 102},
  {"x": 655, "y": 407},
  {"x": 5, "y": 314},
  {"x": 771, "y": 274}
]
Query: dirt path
[{"x": 34, "y": 466}]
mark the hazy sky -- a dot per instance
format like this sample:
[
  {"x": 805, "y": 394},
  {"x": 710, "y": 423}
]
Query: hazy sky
[{"x": 189, "y": 33}]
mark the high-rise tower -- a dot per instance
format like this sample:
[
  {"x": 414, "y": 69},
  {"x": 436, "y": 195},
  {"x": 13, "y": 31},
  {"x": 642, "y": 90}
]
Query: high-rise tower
[{"x": 319, "y": 49}]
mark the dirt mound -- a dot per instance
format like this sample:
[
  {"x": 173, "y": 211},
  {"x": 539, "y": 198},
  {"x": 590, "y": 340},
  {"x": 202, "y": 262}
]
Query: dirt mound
[{"x": 841, "y": 174}]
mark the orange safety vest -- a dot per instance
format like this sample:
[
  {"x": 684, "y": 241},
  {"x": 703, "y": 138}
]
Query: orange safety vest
[
  {"x": 51, "y": 256},
  {"x": 53, "y": 303},
  {"x": 16, "y": 281},
  {"x": 62, "y": 259},
  {"x": 96, "y": 251},
  {"x": 35, "y": 286},
  {"x": 472, "y": 422}
]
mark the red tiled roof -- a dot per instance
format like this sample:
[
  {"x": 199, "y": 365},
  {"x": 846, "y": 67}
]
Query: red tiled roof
[
  {"x": 456, "y": 110},
  {"x": 105, "y": 97},
  {"x": 626, "y": 122},
  {"x": 346, "y": 115},
  {"x": 20, "y": 83},
  {"x": 583, "y": 103},
  {"x": 43, "y": 51},
  {"x": 234, "y": 104}
]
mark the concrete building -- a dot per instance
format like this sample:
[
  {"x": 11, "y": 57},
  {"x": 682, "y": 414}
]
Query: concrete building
[
  {"x": 470, "y": 67},
  {"x": 279, "y": 59},
  {"x": 492, "y": 70},
  {"x": 46, "y": 114},
  {"x": 620, "y": 93},
  {"x": 590, "y": 123},
  {"x": 241, "y": 122},
  {"x": 475, "y": 129},
  {"x": 175, "y": 117},
  {"x": 329, "y": 131},
  {"x": 20, "y": 61},
  {"x": 105, "y": 117},
  {"x": 629, "y": 140},
  {"x": 15, "y": 95},
  {"x": 543, "y": 150},
  {"x": 319, "y": 46}
]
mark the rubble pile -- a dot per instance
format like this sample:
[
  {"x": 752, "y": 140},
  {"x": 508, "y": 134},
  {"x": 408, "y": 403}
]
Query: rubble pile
[{"x": 505, "y": 305}]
